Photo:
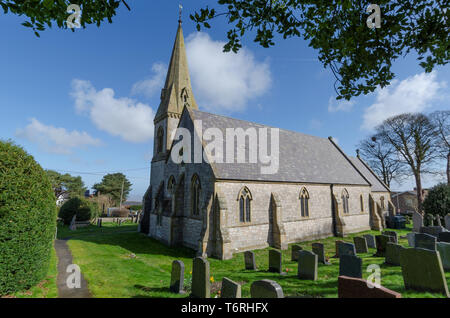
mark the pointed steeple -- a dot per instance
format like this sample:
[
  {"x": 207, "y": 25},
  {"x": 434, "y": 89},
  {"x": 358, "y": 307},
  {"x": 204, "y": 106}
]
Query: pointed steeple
[{"x": 177, "y": 91}]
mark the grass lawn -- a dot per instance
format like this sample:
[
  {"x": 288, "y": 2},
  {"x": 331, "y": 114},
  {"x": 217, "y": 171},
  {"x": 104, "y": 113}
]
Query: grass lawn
[
  {"x": 120, "y": 263},
  {"x": 47, "y": 287}
]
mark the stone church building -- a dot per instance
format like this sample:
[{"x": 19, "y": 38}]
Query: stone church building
[{"x": 219, "y": 209}]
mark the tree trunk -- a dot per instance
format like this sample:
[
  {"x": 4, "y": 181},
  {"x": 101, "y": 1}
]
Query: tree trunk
[
  {"x": 419, "y": 191},
  {"x": 448, "y": 168}
]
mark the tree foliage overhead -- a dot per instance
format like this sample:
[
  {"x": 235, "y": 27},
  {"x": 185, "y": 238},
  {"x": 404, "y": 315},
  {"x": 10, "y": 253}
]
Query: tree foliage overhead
[
  {"x": 111, "y": 185},
  {"x": 66, "y": 184},
  {"x": 45, "y": 13},
  {"x": 437, "y": 201},
  {"x": 360, "y": 58},
  {"x": 441, "y": 120}
]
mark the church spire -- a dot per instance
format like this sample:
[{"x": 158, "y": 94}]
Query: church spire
[{"x": 177, "y": 91}]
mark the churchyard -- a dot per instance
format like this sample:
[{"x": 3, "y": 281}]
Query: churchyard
[{"x": 117, "y": 261}]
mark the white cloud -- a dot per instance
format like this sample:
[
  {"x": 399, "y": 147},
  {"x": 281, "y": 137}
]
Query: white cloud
[
  {"x": 224, "y": 81},
  {"x": 55, "y": 140},
  {"x": 339, "y": 105},
  {"x": 414, "y": 94},
  {"x": 123, "y": 117},
  {"x": 152, "y": 85}
]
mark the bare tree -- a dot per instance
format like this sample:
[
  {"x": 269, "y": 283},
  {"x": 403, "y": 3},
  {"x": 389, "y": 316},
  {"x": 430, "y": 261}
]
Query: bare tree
[
  {"x": 441, "y": 120},
  {"x": 413, "y": 136},
  {"x": 382, "y": 159}
]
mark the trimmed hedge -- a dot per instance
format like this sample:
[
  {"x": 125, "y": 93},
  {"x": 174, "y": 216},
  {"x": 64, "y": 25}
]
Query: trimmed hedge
[
  {"x": 81, "y": 207},
  {"x": 27, "y": 220},
  {"x": 437, "y": 201}
]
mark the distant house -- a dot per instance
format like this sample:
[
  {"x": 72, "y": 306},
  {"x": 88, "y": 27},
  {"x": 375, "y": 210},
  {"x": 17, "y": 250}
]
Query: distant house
[
  {"x": 61, "y": 199},
  {"x": 406, "y": 202}
]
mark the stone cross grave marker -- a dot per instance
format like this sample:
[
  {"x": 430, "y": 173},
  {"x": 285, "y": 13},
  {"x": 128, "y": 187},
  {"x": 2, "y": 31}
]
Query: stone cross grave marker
[
  {"x": 249, "y": 258},
  {"x": 230, "y": 289},
  {"x": 201, "y": 287},
  {"x": 360, "y": 244},
  {"x": 266, "y": 288},
  {"x": 307, "y": 265},
  {"x": 177, "y": 277},
  {"x": 350, "y": 266},
  {"x": 319, "y": 250},
  {"x": 422, "y": 270}
]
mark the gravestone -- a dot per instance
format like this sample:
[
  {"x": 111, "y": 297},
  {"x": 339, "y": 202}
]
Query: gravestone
[
  {"x": 370, "y": 239},
  {"x": 438, "y": 220},
  {"x": 201, "y": 287},
  {"x": 447, "y": 221},
  {"x": 444, "y": 252},
  {"x": 337, "y": 248},
  {"x": 430, "y": 219},
  {"x": 295, "y": 250},
  {"x": 417, "y": 221},
  {"x": 382, "y": 241},
  {"x": 249, "y": 258},
  {"x": 346, "y": 249},
  {"x": 350, "y": 287},
  {"x": 319, "y": 250},
  {"x": 230, "y": 289},
  {"x": 432, "y": 230},
  {"x": 266, "y": 288},
  {"x": 444, "y": 237},
  {"x": 177, "y": 277},
  {"x": 307, "y": 265},
  {"x": 350, "y": 266},
  {"x": 411, "y": 239},
  {"x": 393, "y": 235},
  {"x": 425, "y": 241},
  {"x": 360, "y": 244},
  {"x": 275, "y": 261},
  {"x": 422, "y": 270},
  {"x": 393, "y": 254},
  {"x": 73, "y": 225}
]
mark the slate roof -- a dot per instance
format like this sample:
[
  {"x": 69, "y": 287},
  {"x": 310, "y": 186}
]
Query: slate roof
[
  {"x": 302, "y": 158},
  {"x": 377, "y": 184}
]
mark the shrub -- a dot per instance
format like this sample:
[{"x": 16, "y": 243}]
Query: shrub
[
  {"x": 75, "y": 206},
  {"x": 438, "y": 200},
  {"x": 27, "y": 220}
]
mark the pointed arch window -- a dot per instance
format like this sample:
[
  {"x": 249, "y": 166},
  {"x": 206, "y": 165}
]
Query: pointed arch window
[
  {"x": 304, "y": 203},
  {"x": 345, "y": 198},
  {"x": 245, "y": 198},
  {"x": 171, "y": 184},
  {"x": 361, "y": 202},
  {"x": 195, "y": 195},
  {"x": 160, "y": 140}
]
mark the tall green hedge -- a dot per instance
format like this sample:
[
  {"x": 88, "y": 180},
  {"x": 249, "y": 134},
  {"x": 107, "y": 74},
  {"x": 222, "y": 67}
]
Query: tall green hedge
[
  {"x": 27, "y": 220},
  {"x": 437, "y": 201},
  {"x": 81, "y": 207}
]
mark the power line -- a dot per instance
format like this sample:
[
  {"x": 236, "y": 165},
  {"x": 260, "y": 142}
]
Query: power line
[{"x": 98, "y": 172}]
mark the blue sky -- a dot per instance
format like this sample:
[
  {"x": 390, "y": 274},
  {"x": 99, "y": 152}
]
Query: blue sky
[{"x": 83, "y": 101}]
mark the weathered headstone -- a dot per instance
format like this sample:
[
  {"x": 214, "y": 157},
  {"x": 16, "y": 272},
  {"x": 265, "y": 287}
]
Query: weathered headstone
[
  {"x": 360, "y": 244},
  {"x": 347, "y": 249},
  {"x": 382, "y": 241},
  {"x": 266, "y": 288},
  {"x": 432, "y": 230},
  {"x": 350, "y": 266},
  {"x": 294, "y": 253},
  {"x": 438, "y": 220},
  {"x": 177, "y": 277},
  {"x": 417, "y": 221},
  {"x": 307, "y": 265},
  {"x": 73, "y": 225},
  {"x": 422, "y": 270},
  {"x": 350, "y": 287},
  {"x": 275, "y": 261},
  {"x": 337, "y": 248},
  {"x": 319, "y": 250},
  {"x": 444, "y": 252},
  {"x": 393, "y": 254},
  {"x": 444, "y": 237},
  {"x": 249, "y": 258},
  {"x": 392, "y": 234},
  {"x": 447, "y": 221},
  {"x": 430, "y": 219},
  {"x": 425, "y": 241},
  {"x": 370, "y": 239},
  {"x": 230, "y": 289},
  {"x": 201, "y": 286},
  {"x": 411, "y": 239}
]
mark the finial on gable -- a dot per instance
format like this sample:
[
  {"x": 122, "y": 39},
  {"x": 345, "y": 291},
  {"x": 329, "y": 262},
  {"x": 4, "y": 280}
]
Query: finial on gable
[{"x": 357, "y": 153}]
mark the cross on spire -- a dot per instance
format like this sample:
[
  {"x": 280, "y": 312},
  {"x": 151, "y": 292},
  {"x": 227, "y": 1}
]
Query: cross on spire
[{"x": 180, "y": 9}]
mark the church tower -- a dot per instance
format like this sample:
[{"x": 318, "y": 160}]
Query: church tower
[{"x": 176, "y": 94}]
